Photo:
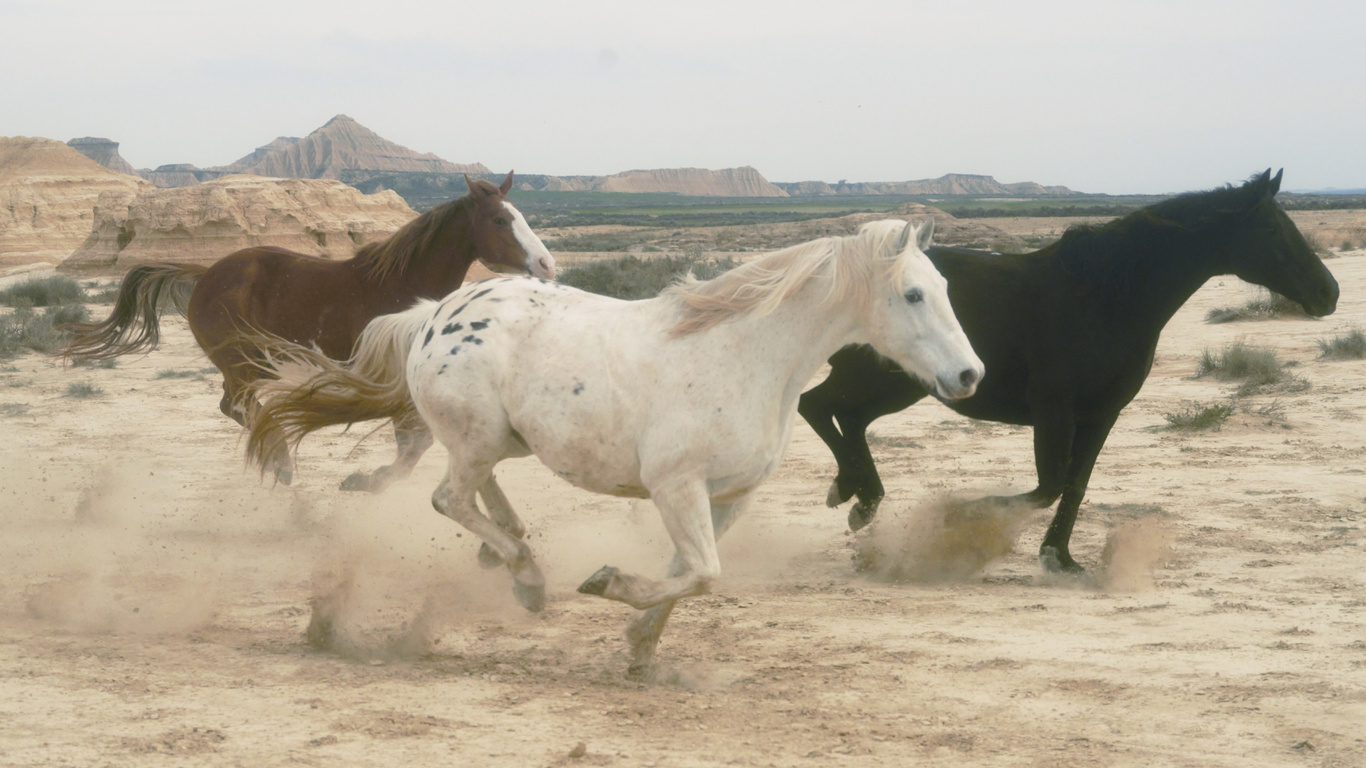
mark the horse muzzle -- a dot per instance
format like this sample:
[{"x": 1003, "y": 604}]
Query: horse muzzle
[{"x": 960, "y": 385}]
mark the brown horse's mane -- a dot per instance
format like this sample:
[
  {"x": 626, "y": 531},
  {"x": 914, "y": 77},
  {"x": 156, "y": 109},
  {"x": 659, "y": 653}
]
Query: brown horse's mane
[{"x": 391, "y": 257}]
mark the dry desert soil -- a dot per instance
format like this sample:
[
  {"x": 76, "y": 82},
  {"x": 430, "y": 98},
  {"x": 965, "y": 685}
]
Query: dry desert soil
[{"x": 154, "y": 593}]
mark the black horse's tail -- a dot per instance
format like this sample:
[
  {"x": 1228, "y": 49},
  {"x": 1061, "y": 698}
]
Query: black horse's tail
[{"x": 135, "y": 323}]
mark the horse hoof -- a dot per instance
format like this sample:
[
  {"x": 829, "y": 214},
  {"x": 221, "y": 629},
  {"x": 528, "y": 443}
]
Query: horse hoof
[
  {"x": 531, "y": 596},
  {"x": 597, "y": 583},
  {"x": 356, "y": 481},
  {"x": 488, "y": 558},
  {"x": 284, "y": 476},
  {"x": 833, "y": 497},
  {"x": 640, "y": 671},
  {"x": 861, "y": 514},
  {"x": 1054, "y": 561}
]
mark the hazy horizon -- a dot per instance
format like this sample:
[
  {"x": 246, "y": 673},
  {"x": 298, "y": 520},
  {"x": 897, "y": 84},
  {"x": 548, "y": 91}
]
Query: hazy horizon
[{"x": 1162, "y": 97}]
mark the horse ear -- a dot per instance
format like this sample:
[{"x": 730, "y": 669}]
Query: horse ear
[
  {"x": 506, "y": 186},
  {"x": 923, "y": 235},
  {"x": 1276, "y": 182},
  {"x": 904, "y": 238},
  {"x": 468, "y": 183}
]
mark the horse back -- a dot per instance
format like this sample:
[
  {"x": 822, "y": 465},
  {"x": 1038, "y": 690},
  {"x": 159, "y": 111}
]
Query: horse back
[{"x": 305, "y": 299}]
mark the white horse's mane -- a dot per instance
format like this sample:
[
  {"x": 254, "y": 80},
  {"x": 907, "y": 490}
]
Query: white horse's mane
[{"x": 855, "y": 263}]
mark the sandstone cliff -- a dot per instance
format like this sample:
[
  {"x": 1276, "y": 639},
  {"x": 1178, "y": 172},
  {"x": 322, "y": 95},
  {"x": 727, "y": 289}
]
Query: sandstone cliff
[
  {"x": 47, "y": 198},
  {"x": 342, "y": 144},
  {"x": 104, "y": 152},
  {"x": 205, "y": 222}
]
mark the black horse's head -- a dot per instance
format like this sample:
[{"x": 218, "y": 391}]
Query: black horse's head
[{"x": 1269, "y": 250}]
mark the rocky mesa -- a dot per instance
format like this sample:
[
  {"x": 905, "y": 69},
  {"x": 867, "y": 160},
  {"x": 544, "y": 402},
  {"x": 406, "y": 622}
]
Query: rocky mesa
[
  {"x": 205, "y": 222},
  {"x": 341, "y": 144},
  {"x": 47, "y": 198}
]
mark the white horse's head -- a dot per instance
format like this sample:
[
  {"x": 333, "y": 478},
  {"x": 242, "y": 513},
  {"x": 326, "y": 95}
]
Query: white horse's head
[{"x": 910, "y": 320}]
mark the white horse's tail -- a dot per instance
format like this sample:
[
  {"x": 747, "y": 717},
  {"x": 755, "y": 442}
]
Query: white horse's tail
[{"x": 304, "y": 390}]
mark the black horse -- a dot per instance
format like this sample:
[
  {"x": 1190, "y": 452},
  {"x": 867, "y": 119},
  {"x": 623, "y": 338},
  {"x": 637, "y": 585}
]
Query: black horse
[{"x": 1068, "y": 335}]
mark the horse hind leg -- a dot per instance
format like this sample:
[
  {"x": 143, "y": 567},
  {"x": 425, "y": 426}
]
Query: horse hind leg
[
  {"x": 413, "y": 438},
  {"x": 500, "y": 510},
  {"x": 454, "y": 498}
]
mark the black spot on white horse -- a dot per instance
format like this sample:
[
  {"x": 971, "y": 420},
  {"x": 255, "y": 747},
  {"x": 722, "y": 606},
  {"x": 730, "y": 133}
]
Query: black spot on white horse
[
  {"x": 458, "y": 310},
  {"x": 484, "y": 292},
  {"x": 455, "y": 349},
  {"x": 479, "y": 325},
  {"x": 578, "y": 387},
  {"x": 472, "y": 339},
  {"x": 427, "y": 340},
  {"x": 452, "y": 328}
]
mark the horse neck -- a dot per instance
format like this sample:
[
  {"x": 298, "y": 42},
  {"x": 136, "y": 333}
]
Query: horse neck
[
  {"x": 794, "y": 340},
  {"x": 439, "y": 268},
  {"x": 1162, "y": 274}
]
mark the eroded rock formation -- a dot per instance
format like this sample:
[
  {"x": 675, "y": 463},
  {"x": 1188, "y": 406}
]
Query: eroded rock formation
[
  {"x": 205, "y": 222},
  {"x": 47, "y": 198}
]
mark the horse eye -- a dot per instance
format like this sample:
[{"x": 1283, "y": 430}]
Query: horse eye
[
  {"x": 500, "y": 221},
  {"x": 914, "y": 296}
]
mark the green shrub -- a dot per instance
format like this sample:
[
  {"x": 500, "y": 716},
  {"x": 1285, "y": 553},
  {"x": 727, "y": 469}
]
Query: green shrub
[
  {"x": 82, "y": 390},
  {"x": 171, "y": 373},
  {"x": 43, "y": 292},
  {"x": 1261, "y": 308},
  {"x": 1199, "y": 417},
  {"x": 25, "y": 330},
  {"x": 631, "y": 277},
  {"x": 1347, "y": 346},
  {"x": 1255, "y": 367}
]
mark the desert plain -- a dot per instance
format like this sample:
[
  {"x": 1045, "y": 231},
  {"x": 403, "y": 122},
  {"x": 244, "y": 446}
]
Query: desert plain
[{"x": 154, "y": 592}]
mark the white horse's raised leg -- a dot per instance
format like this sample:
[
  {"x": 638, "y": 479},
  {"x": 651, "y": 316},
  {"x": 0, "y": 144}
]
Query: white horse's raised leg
[
  {"x": 642, "y": 635},
  {"x": 686, "y": 512},
  {"x": 455, "y": 499}
]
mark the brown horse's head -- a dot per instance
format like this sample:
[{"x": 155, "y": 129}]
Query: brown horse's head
[{"x": 502, "y": 238}]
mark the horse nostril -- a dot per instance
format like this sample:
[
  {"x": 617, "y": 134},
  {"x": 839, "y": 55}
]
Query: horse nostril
[{"x": 968, "y": 377}]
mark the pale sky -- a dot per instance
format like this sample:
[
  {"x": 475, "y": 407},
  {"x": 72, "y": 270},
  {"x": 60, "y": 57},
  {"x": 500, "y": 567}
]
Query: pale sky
[{"x": 1133, "y": 97}]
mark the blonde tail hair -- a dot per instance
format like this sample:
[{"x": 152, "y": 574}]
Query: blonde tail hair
[{"x": 304, "y": 390}]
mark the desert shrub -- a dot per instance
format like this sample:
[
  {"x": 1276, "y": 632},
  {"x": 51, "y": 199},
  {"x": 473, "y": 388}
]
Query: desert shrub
[
  {"x": 631, "y": 277},
  {"x": 171, "y": 373},
  {"x": 13, "y": 409},
  {"x": 1199, "y": 417},
  {"x": 1255, "y": 367},
  {"x": 1349, "y": 346},
  {"x": 25, "y": 330},
  {"x": 1261, "y": 308},
  {"x": 82, "y": 390},
  {"x": 43, "y": 292}
]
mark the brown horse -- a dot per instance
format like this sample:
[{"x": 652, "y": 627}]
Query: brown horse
[{"x": 318, "y": 302}]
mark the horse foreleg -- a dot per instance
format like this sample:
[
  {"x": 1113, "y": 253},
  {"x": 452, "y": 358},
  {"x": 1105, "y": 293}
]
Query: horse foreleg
[
  {"x": 861, "y": 388},
  {"x": 455, "y": 499},
  {"x": 642, "y": 635},
  {"x": 684, "y": 508},
  {"x": 1054, "y": 554},
  {"x": 413, "y": 438}
]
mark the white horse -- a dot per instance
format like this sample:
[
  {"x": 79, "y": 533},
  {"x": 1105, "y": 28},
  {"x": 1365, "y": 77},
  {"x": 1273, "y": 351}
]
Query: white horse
[{"x": 687, "y": 399}]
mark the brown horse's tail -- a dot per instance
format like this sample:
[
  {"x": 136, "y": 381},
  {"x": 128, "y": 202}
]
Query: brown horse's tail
[
  {"x": 135, "y": 324},
  {"x": 304, "y": 390}
]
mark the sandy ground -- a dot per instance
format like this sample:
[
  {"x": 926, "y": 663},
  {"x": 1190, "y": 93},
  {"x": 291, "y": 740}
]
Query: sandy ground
[{"x": 154, "y": 594}]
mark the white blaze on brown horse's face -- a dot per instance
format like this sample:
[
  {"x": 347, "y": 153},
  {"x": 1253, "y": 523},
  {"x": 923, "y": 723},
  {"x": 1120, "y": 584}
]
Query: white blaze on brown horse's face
[
  {"x": 539, "y": 262},
  {"x": 505, "y": 240}
]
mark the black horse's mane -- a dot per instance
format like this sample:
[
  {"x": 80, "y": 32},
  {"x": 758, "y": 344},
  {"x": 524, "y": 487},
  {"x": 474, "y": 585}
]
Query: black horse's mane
[{"x": 1104, "y": 255}]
